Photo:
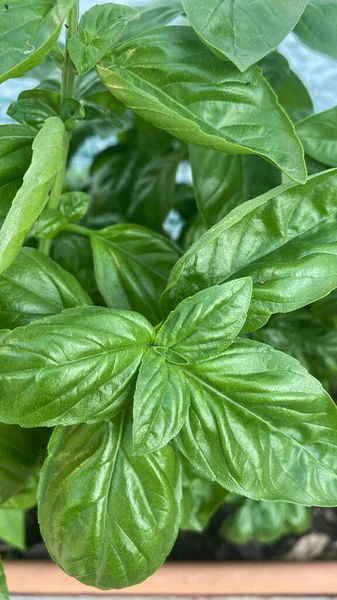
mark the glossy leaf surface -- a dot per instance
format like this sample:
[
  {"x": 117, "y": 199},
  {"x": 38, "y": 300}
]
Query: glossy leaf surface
[
  {"x": 35, "y": 286},
  {"x": 199, "y": 104},
  {"x": 201, "y": 327},
  {"x": 264, "y": 522},
  {"x": 261, "y": 426},
  {"x": 32, "y": 197},
  {"x": 74, "y": 205},
  {"x": 29, "y": 31},
  {"x": 285, "y": 240},
  {"x": 241, "y": 30},
  {"x": 98, "y": 30},
  {"x": 318, "y": 135},
  {"x": 132, "y": 265},
  {"x": 71, "y": 368},
  {"x": 122, "y": 509}
]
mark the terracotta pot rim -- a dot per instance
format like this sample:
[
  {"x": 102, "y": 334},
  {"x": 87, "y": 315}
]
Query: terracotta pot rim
[{"x": 187, "y": 579}]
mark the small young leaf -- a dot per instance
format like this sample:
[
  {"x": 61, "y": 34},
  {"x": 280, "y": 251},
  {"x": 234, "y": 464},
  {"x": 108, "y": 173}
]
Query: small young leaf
[
  {"x": 264, "y": 522},
  {"x": 241, "y": 30},
  {"x": 286, "y": 240},
  {"x": 132, "y": 265},
  {"x": 99, "y": 29},
  {"x": 28, "y": 32},
  {"x": 318, "y": 135},
  {"x": 29, "y": 202},
  {"x": 75, "y": 367},
  {"x": 201, "y": 327},
  {"x": 49, "y": 224},
  {"x": 3, "y": 586},
  {"x": 21, "y": 450},
  {"x": 317, "y": 27},
  {"x": 74, "y": 205},
  {"x": 33, "y": 107},
  {"x": 12, "y": 527},
  {"x": 261, "y": 426},
  {"x": 196, "y": 101},
  {"x": 122, "y": 510},
  {"x": 35, "y": 286}
]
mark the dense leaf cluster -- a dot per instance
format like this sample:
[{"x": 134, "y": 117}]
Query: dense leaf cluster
[{"x": 165, "y": 342}]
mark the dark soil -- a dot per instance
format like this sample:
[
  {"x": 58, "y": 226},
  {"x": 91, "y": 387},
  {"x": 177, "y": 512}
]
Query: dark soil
[{"x": 319, "y": 543}]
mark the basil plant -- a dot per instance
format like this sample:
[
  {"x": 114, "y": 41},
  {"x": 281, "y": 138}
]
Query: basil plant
[{"x": 163, "y": 343}]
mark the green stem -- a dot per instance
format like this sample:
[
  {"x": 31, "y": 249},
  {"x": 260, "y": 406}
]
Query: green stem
[
  {"x": 67, "y": 91},
  {"x": 79, "y": 229}
]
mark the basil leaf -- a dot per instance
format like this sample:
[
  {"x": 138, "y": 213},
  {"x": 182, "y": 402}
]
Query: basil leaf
[
  {"x": 201, "y": 497},
  {"x": 29, "y": 202},
  {"x": 73, "y": 253},
  {"x": 12, "y": 527},
  {"x": 318, "y": 135},
  {"x": 33, "y": 107},
  {"x": 154, "y": 14},
  {"x": 289, "y": 89},
  {"x": 284, "y": 240},
  {"x": 132, "y": 265},
  {"x": 194, "y": 107},
  {"x": 29, "y": 32},
  {"x": 201, "y": 327},
  {"x": 264, "y": 522},
  {"x": 21, "y": 450},
  {"x": 251, "y": 398},
  {"x": 98, "y": 30},
  {"x": 15, "y": 157},
  {"x": 243, "y": 31},
  {"x": 49, "y": 224},
  {"x": 3, "y": 587},
  {"x": 35, "y": 286},
  {"x": 223, "y": 181},
  {"x": 75, "y": 367},
  {"x": 122, "y": 509},
  {"x": 317, "y": 27},
  {"x": 74, "y": 205}
]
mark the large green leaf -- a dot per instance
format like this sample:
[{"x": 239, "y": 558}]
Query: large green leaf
[
  {"x": 35, "y": 286},
  {"x": 264, "y": 522},
  {"x": 317, "y": 27},
  {"x": 132, "y": 265},
  {"x": 21, "y": 450},
  {"x": 26, "y": 497},
  {"x": 33, "y": 107},
  {"x": 286, "y": 240},
  {"x": 76, "y": 367},
  {"x": 201, "y": 327},
  {"x": 12, "y": 527},
  {"x": 243, "y": 31},
  {"x": 261, "y": 426},
  {"x": 38, "y": 181},
  {"x": 203, "y": 100},
  {"x": 318, "y": 135},
  {"x": 122, "y": 510},
  {"x": 201, "y": 497},
  {"x": 15, "y": 157},
  {"x": 3, "y": 587},
  {"x": 28, "y": 32},
  {"x": 223, "y": 181},
  {"x": 98, "y": 30}
]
